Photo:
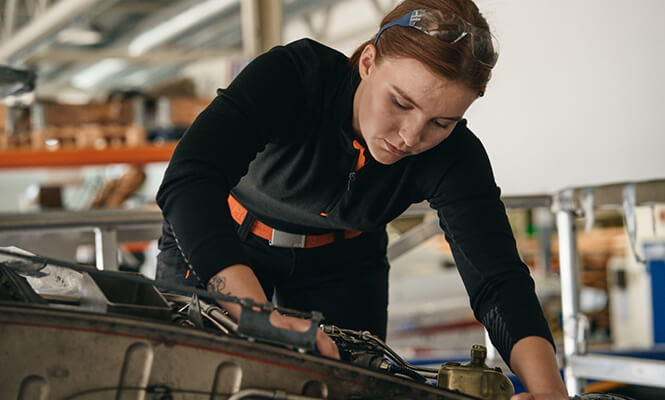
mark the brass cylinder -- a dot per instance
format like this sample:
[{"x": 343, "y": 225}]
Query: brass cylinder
[{"x": 475, "y": 378}]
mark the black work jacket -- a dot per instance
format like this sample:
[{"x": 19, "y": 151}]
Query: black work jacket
[{"x": 280, "y": 138}]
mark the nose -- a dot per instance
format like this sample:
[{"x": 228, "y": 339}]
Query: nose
[{"x": 411, "y": 132}]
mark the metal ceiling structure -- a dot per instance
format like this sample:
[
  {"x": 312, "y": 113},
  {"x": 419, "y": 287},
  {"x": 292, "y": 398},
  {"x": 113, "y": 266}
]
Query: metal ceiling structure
[{"x": 100, "y": 45}]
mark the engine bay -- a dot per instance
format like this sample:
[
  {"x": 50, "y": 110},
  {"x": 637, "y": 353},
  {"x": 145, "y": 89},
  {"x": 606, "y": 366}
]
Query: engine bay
[{"x": 72, "y": 332}]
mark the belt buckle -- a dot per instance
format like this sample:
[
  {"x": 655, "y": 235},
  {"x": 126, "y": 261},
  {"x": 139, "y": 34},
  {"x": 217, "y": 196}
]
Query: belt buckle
[{"x": 285, "y": 239}]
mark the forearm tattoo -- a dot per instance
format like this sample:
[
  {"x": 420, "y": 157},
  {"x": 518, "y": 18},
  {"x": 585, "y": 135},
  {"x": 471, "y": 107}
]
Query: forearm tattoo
[{"x": 216, "y": 284}]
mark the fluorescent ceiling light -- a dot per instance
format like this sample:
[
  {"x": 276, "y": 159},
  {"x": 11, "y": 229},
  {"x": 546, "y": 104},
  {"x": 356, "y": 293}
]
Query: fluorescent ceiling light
[
  {"x": 177, "y": 25},
  {"x": 96, "y": 73}
]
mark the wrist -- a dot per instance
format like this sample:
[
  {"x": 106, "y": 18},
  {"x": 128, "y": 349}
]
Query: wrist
[{"x": 534, "y": 362}]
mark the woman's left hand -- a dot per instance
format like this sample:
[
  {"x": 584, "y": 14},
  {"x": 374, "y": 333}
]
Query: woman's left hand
[{"x": 539, "y": 396}]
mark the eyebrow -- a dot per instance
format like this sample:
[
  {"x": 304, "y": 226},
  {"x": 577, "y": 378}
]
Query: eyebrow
[{"x": 407, "y": 98}]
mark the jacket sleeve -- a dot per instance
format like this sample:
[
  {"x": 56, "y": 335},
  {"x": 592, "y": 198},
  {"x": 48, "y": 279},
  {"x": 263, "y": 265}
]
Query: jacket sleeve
[
  {"x": 215, "y": 152},
  {"x": 474, "y": 220}
]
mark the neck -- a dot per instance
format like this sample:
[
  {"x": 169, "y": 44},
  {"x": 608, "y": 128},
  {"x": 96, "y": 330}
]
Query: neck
[{"x": 355, "y": 124}]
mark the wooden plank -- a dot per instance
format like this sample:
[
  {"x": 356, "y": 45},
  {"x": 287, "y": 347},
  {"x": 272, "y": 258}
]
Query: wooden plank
[
  {"x": 79, "y": 157},
  {"x": 73, "y": 114}
]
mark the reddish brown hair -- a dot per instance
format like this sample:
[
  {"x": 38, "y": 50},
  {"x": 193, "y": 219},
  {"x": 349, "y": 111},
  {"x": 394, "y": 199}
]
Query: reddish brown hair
[{"x": 451, "y": 61}]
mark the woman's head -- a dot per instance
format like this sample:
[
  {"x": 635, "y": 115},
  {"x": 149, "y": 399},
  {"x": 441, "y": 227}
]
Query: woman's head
[
  {"x": 453, "y": 61},
  {"x": 415, "y": 87}
]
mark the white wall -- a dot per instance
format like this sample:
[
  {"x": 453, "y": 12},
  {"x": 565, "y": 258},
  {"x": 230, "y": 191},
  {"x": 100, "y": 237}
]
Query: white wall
[{"x": 577, "y": 97}]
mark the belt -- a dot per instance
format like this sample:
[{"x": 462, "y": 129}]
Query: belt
[{"x": 279, "y": 238}]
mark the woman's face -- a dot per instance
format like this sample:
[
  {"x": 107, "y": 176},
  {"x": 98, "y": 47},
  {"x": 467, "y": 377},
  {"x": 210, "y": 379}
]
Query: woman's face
[{"x": 401, "y": 108}]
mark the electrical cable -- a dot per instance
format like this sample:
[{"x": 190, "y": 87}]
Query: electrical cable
[
  {"x": 408, "y": 372},
  {"x": 398, "y": 365},
  {"x": 365, "y": 335}
]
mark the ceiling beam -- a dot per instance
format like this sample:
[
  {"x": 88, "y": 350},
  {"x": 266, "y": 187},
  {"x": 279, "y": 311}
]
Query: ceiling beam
[
  {"x": 41, "y": 28},
  {"x": 156, "y": 56},
  {"x": 170, "y": 29},
  {"x": 143, "y": 6}
]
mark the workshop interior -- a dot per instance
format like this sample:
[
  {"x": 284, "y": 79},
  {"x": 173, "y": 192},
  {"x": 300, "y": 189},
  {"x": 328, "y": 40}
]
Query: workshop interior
[{"x": 96, "y": 94}]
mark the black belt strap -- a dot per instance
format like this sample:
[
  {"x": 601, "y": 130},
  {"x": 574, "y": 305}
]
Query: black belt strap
[{"x": 245, "y": 228}]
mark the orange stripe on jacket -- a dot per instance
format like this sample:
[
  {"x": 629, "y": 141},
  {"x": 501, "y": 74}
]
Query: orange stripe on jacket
[{"x": 361, "y": 157}]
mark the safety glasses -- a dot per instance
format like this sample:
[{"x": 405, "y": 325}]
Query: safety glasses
[{"x": 450, "y": 28}]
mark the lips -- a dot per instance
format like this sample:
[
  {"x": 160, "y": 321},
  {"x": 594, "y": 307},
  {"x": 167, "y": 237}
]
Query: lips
[{"x": 394, "y": 149}]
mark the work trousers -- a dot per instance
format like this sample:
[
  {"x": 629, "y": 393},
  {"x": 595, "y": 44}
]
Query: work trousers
[{"x": 346, "y": 280}]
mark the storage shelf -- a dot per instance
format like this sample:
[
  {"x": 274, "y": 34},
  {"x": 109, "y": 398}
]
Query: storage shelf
[{"x": 80, "y": 157}]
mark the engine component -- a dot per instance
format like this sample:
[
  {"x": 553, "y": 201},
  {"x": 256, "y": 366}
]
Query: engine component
[
  {"x": 476, "y": 378},
  {"x": 62, "y": 351},
  {"x": 139, "y": 338},
  {"x": 14, "y": 287},
  {"x": 131, "y": 298},
  {"x": 21, "y": 265}
]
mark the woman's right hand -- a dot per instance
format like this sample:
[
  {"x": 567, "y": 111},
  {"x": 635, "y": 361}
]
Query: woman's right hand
[
  {"x": 239, "y": 280},
  {"x": 324, "y": 343}
]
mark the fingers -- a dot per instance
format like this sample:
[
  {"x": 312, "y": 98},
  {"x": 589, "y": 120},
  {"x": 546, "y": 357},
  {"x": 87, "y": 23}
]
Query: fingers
[
  {"x": 523, "y": 396},
  {"x": 326, "y": 345},
  {"x": 539, "y": 396}
]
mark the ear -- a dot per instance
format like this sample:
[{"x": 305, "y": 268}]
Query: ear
[{"x": 367, "y": 61}]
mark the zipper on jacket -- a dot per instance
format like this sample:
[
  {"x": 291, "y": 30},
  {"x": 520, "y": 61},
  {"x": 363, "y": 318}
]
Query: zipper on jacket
[
  {"x": 352, "y": 178},
  {"x": 354, "y": 173}
]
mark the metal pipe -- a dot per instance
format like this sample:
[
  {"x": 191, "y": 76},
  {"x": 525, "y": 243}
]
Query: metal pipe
[
  {"x": 39, "y": 29},
  {"x": 106, "y": 249},
  {"x": 218, "y": 315},
  {"x": 570, "y": 301},
  {"x": 217, "y": 324},
  {"x": 10, "y": 16},
  {"x": 179, "y": 24},
  {"x": 85, "y": 220},
  {"x": 621, "y": 369}
]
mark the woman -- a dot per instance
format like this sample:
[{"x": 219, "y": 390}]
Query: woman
[{"x": 284, "y": 185}]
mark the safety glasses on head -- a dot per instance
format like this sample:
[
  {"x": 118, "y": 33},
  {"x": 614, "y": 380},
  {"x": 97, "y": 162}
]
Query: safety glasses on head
[{"x": 450, "y": 28}]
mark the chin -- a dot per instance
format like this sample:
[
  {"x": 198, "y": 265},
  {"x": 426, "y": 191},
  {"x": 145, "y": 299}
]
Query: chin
[
  {"x": 383, "y": 156},
  {"x": 390, "y": 161},
  {"x": 386, "y": 158}
]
